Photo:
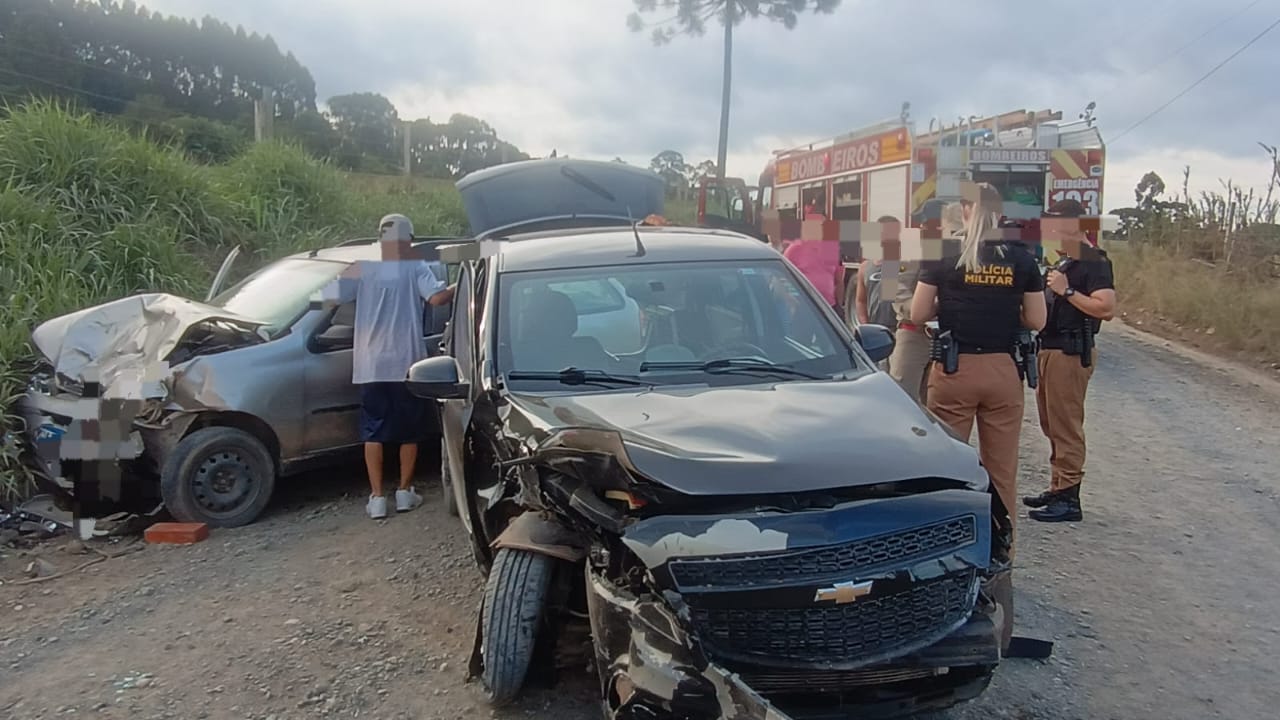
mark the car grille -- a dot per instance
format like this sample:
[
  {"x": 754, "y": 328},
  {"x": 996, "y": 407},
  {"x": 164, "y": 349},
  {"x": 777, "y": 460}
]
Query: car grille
[
  {"x": 870, "y": 628},
  {"x": 842, "y": 560},
  {"x": 820, "y": 681}
]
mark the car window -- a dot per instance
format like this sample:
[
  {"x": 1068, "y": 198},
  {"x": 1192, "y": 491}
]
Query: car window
[
  {"x": 278, "y": 293},
  {"x": 590, "y": 296},
  {"x": 688, "y": 313}
]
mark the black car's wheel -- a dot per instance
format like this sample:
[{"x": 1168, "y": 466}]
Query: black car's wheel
[
  {"x": 514, "y": 599},
  {"x": 219, "y": 476},
  {"x": 446, "y": 482}
]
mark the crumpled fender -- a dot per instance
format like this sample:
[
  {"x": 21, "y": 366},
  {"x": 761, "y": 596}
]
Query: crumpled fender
[
  {"x": 538, "y": 533},
  {"x": 534, "y": 532}
]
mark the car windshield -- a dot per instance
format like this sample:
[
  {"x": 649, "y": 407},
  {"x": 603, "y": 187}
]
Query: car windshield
[
  {"x": 278, "y": 293},
  {"x": 665, "y": 324}
]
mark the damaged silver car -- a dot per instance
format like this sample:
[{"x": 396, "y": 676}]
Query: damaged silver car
[
  {"x": 750, "y": 521},
  {"x": 202, "y": 405}
]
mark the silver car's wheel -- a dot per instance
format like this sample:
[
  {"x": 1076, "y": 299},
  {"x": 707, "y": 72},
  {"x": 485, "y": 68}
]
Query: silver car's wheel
[{"x": 220, "y": 476}]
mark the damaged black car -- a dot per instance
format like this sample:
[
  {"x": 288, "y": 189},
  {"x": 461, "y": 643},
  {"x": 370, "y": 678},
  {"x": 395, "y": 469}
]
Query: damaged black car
[{"x": 750, "y": 519}]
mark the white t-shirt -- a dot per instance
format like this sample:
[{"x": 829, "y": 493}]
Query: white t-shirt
[{"x": 389, "y": 329}]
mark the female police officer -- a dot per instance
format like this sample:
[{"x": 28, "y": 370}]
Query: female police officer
[{"x": 981, "y": 296}]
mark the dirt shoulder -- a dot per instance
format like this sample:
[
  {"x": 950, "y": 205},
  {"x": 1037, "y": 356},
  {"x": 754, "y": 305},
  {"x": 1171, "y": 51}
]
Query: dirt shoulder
[{"x": 1163, "y": 603}]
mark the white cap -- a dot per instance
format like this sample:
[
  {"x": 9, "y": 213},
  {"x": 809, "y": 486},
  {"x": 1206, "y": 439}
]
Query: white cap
[{"x": 395, "y": 228}]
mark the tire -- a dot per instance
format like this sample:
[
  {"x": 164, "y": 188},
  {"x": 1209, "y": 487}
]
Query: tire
[
  {"x": 446, "y": 483},
  {"x": 220, "y": 476},
  {"x": 514, "y": 599}
]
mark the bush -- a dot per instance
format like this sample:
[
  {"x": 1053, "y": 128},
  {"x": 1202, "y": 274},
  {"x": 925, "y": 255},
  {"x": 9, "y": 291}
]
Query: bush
[
  {"x": 89, "y": 212},
  {"x": 1179, "y": 292},
  {"x": 280, "y": 197},
  {"x": 206, "y": 141},
  {"x": 98, "y": 175}
]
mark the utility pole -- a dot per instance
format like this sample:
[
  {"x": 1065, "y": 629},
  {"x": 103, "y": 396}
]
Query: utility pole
[
  {"x": 408, "y": 147},
  {"x": 264, "y": 113},
  {"x": 723, "y": 153}
]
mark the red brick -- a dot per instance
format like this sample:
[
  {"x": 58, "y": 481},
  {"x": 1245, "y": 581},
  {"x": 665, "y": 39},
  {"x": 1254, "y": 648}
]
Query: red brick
[{"x": 177, "y": 533}]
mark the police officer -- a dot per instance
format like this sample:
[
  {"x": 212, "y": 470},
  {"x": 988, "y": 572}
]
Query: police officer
[
  {"x": 879, "y": 281},
  {"x": 1081, "y": 294},
  {"x": 982, "y": 294}
]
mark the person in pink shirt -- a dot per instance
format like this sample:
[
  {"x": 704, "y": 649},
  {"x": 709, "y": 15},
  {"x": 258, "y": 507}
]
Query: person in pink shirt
[{"x": 819, "y": 261}]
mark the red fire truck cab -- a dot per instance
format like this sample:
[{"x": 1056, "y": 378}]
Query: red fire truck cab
[{"x": 887, "y": 169}]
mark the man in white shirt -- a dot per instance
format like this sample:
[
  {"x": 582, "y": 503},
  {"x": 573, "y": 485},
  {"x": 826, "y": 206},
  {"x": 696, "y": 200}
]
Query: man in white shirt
[{"x": 389, "y": 338}]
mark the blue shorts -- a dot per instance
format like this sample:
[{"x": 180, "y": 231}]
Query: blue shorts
[{"x": 389, "y": 414}]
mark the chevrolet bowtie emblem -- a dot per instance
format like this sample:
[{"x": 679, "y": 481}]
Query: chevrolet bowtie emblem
[{"x": 841, "y": 593}]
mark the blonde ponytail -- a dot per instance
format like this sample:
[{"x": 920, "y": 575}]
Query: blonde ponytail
[{"x": 981, "y": 227}]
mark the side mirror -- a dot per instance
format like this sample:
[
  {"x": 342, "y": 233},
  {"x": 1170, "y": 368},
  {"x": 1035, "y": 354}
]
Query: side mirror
[
  {"x": 876, "y": 341},
  {"x": 336, "y": 337},
  {"x": 436, "y": 378}
]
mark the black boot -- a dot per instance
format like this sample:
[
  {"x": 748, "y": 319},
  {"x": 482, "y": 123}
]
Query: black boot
[
  {"x": 1064, "y": 507},
  {"x": 1039, "y": 501}
]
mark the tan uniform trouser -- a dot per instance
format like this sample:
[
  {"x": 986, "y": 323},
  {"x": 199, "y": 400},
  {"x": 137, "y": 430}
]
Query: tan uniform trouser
[
  {"x": 1060, "y": 400},
  {"x": 909, "y": 359},
  {"x": 985, "y": 389}
]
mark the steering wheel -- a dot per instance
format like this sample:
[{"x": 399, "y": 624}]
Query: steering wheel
[{"x": 739, "y": 348}]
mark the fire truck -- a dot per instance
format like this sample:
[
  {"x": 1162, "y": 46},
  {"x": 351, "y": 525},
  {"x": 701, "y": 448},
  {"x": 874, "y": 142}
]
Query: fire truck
[{"x": 887, "y": 169}]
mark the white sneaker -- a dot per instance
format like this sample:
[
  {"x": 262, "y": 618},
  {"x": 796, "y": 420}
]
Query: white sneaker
[
  {"x": 407, "y": 500},
  {"x": 377, "y": 507}
]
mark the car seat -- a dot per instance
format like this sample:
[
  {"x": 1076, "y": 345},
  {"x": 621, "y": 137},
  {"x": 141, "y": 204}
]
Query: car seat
[{"x": 549, "y": 341}]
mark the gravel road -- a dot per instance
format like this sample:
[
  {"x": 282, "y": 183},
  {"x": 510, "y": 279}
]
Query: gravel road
[{"x": 1164, "y": 603}]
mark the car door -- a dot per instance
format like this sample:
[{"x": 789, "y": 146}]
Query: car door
[
  {"x": 455, "y": 414},
  {"x": 331, "y": 401}
]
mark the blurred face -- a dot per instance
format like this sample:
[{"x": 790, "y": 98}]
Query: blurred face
[
  {"x": 966, "y": 210},
  {"x": 891, "y": 240},
  {"x": 396, "y": 250},
  {"x": 1063, "y": 235}
]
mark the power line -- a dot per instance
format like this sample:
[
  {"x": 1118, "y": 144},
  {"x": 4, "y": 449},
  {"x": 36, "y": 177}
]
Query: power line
[
  {"x": 1110, "y": 92},
  {"x": 1193, "y": 85},
  {"x": 1197, "y": 39},
  {"x": 79, "y": 61},
  {"x": 81, "y": 91}
]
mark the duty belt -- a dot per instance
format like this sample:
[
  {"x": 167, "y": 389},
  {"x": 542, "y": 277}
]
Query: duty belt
[
  {"x": 1078, "y": 342},
  {"x": 967, "y": 349}
]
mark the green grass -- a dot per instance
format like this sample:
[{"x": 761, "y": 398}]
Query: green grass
[
  {"x": 1241, "y": 313},
  {"x": 90, "y": 212}
]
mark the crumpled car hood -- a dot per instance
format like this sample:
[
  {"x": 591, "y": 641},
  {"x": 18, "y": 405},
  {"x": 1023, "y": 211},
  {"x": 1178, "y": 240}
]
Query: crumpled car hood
[
  {"x": 786, "y": 437},
  {"x": 130, "y": 335}
]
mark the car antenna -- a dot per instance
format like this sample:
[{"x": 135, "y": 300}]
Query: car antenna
[{"x": 635, "y": 229}]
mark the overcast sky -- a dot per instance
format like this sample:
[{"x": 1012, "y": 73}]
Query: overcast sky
[{"x": 569, "y": 75}]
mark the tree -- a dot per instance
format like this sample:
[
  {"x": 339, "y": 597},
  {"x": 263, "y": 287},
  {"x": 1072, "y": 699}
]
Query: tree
[
  {"x": 366, "y": 124},
  {"x": 671, "y": 166},
  {"x": 108, "y": 54},
  {"x": 313, "y": 132},
  {"x": 459, "y": 147},
  {"x": 1149, "y": 189},
  {"x": 706, "y": 168},
  {"x": 691, "y": 18}
]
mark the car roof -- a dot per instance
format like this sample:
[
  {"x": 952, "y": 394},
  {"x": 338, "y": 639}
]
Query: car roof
[
  {"x": 596, "y": 247},
  {"x": 366, "y": 249}
]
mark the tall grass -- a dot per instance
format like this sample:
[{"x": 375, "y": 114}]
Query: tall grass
[
  {"x": 1208, "y": 264},
  {"x": 90, "y": 212}
]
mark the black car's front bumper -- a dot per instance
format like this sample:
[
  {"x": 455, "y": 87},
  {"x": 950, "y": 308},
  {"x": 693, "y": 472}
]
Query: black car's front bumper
[{"x": 870, "y": 609}]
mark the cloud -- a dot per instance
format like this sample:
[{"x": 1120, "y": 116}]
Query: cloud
[{"x": 567, "y": 74}]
